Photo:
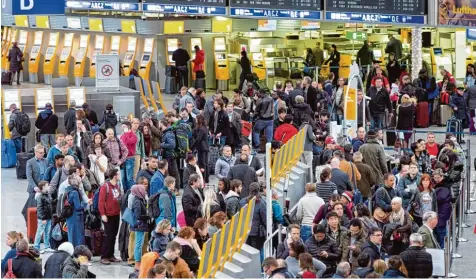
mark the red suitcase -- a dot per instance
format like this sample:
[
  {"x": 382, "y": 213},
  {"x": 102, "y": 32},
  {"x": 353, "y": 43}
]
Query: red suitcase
[
  {"x": 422, "y": 115},
  {"x": 31, "y": 224}
]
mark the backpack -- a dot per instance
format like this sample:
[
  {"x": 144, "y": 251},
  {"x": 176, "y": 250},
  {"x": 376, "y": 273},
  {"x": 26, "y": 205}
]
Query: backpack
[
  {"x": 153, "y": 209},
  {"x": 95, "y": 209},
  {"x": 64, "y": 208},
  {"x": 9, "y": 273},
  {"x": 23, "y": 124},
  {"x": 147, "y": 262},
  {"x": 181, "y": 132}
]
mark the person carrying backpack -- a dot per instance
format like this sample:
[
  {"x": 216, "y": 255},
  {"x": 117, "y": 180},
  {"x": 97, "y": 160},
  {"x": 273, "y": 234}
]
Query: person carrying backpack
[
  {"x": 109, "y": 119},
  {"x": 163, "y": 204},
  {"x": 168, "y": 146},
  {"x": 19, "y": 125},
  {"x": 109, "y": 207}
]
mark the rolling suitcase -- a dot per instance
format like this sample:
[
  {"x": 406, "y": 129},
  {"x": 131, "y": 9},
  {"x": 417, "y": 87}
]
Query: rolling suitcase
[
  {"x": 7, "y": 78},
  {"x": 22, "y": 158},
  {"x": 200, "y": 83},
  {"x": 94, "y": 240},
  {"x": 31, "y": 224},
  {"x": 454, "y": 125},
  {"x": 213, "y": 155},
  {"x": 9, "y": 154},
  {"x": 422, "y": 115},
  {"x": 170, "y": 85},
  {"x": 444, "y": 114}
]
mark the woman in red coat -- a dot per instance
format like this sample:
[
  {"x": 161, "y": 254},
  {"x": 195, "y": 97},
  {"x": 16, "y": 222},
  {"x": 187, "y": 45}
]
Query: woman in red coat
[
  {"x": 199, "y": 59},
  {"x": 286, "y": 130}
]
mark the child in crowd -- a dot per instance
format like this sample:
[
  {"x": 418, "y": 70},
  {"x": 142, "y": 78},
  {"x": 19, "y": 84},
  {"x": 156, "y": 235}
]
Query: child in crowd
[{"x": 45, "y": 214}]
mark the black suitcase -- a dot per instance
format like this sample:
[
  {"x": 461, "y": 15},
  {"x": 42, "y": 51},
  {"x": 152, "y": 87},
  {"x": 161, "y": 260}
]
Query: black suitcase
[
  {"x": 391, "y": 137},
  {"x": 7, "y": 78},
  {"x": 455, "y": 125},
  {"x": 200, "y": 83},
  {"x": 22, "y": 158},
  {"x": 213, "y": 155},
  {"x": 170, "y": 85},
  {"x": 170, "y": 71}
]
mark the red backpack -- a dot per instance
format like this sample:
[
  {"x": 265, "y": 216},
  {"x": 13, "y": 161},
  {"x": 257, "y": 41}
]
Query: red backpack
[
  {"x": 444, "y": 98},
  {"x": 9, "y": 273}
]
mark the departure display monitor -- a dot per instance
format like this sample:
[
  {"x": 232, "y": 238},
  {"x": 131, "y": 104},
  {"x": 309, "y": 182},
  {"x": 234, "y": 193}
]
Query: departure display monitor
[
  {"x": 406, "y": 7},
  {"x": 312, "y": 5},
  {"x": 189, "y": 2}
]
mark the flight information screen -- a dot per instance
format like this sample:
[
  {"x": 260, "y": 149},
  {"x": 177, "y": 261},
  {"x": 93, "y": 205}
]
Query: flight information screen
[
  {"x": 278, "y": 4},
  {"x": 407, "y": 7},
  {"x": 189, "y": 2}
]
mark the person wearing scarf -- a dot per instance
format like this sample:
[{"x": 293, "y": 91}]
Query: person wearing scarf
[
  {"x": 139, "y": 209},
  {"x": 401, "y": 234}
]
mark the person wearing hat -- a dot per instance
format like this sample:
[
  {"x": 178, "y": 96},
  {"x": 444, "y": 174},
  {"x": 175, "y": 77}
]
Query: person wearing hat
[
  {"x": 54, "y": 262},
  {"x": 374, "y": 156},
  {"x": 47, "y": 123}
]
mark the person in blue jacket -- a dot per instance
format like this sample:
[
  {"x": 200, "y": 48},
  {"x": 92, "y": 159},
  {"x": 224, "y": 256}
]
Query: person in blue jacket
[
  {"x": 458, "y": 103},
  {"x": 167, "y": 203},
  {"x": 277, "y": 210},
  {"x": 12, "y": 238},
  {"x": 157, "y": 180},
  {"x": 75, "y": 222}
]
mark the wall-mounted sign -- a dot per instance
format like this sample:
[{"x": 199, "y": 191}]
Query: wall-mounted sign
[
  {"x": 471, "y": 34},
  {"x": 270, "y": 13},
  {"x": 267, "y": 25},
  {"x": 200, "y": 3},
  {"x": 107, "y": 71},
  {"x": 43, "y": 96},
  {"x": 377, "y": 18},
  {"x": 128, "y": 26},
  {"x": 100, "y": 6},
  {"x": 461, "y": 13},
  {"x": 310, "y": 25},
  {"x": 32, "y": 7},
  {"x": 78, "y": 94},
  {"x": 359, "y": 36},
  {"x": 404, "y": 7},
  {"x": 73, "y": 22},
  {"x": 182, "y": 9},
  {"x": 304, "y": 5}
]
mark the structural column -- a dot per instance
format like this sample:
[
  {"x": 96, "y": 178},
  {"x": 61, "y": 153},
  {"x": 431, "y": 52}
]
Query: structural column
[{"x": 417, "y": 53}]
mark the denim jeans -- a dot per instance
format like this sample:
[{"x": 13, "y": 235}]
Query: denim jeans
[
  {"x": 127, "y": 173},
  {"x": 377, "y": 121},
  {"x": 260, "y": 124},
  {"x": 47, "y": 140},
  {"x": 43, "y": 228},
  {"x": 306, "y": 232},
  {"x": 138, "y": 246},
  {"x": 18, "y": 144},
  {"x": 442, "y": 232}
]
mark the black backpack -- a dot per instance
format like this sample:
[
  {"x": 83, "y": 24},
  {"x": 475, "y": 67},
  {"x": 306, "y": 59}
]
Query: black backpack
[
  {"x": 64, "y": 208},
  {"x": 23, "y": 124},
  {"x": 153, "y": 209}
]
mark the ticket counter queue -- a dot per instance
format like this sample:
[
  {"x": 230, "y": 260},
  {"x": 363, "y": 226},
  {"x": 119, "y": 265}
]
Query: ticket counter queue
[{"x": 274, "y": 55}]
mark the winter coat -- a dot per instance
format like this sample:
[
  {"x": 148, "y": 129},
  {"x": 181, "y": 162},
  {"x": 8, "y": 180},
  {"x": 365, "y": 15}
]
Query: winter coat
[
  {"x": 444, "y": 198},
  {"x": 312, "y": 98},
  {"x": 109, "y": 118},
  {"x": 168, "y": 207},
  {"x": 379, "y": 100},
  {"x": 75, "y": 223},
  {"x": 471, "y": 100},
  {"x": 168, "y": 143},
  {"x": 139, "y": 209},
  {"x": 258, "y": 224},
  {"x": 459, "y": 101},
  {"x": 47, "y": 122},
  {"x": 189, "y": 255},
  {"x": 416, "y": 200},
  {"x": 453, "y": 177},
  {"x": 394, "y": 46},
  {"x": 384, "y": 196},
  {"x": 159, "y": 242},
  {"x": 244, "y": 173},
  {"x": 24, "y": 265},
  {"x": 346, "y": 242},
  {"x": 70, "y": 120},
  {"x": 12, "y": 124},
  {"x": 407, "y": 186},
  {"x": 285, "y": 132},
  {"x": 264, "y": 108},
  {"x": 72, "y": 269},
  {"x": 341, "y": 179},
  {"x": 156, "y": 183},
  {"x": 200, "y": 142},
  {"x": 223, "y": 166},
  {"x": 223, "y": 123},
  {"x": 188, "y": 170},
  {"x": 198, "y": 61},
  {"x": 365, "y": 56},
  {"x": 374, "y": 252},
  {"x": 53, "y": 264},
  {"x": 86, "y": 139},
  {"x": 357, "y": 143},
  {"x": 405, "y": 117},
  {"x": 362, "y": 272},
  {"x": 292, "y": 97},
  {"x": 367, "y": 179},
  {"x": 393, "y": 273},
  {"x": 341, "y": 238},
  {"x": 232, "y": 201},
  {"x": 393, "y": 71},
  {"x": 282, "y": 251},
  {"x": 334, "y": 253},
  {"x": 192, "y": 205},
  {"x": 44, "y": 207},
  {"x": 418, "y": 262},
  {"x": 15, "y": 57},
  {"x": 374, "y": 156}
]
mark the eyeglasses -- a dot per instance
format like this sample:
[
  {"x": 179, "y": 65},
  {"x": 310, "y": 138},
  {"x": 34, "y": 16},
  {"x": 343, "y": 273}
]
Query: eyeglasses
[{"x": 377, "y": 235}]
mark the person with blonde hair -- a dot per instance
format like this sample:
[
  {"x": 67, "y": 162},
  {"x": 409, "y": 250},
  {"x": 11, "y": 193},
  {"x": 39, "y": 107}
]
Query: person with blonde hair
[
  {"x": 12, "y": 239},
  {"x": 210, "y": 204},
  {"x": 405, "y": 116},
  {"x": 161, "y": 236},
  {"x": 380, "y": 266}
]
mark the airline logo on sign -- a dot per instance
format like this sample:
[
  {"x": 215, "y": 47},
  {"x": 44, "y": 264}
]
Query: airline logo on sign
[{"x": 32, "y": 7}]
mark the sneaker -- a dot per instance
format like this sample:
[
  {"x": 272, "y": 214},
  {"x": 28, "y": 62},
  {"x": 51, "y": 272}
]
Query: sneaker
[
  {"x": 114, "y": 260},
  {"x": 177, "y": 193},
  {"x": 105, "y": 262},
  {"x": 49, "y": 250},
  {"x": 42, "y": 251}
]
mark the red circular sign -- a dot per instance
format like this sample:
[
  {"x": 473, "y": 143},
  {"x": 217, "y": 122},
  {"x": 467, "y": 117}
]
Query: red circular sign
[{"x": 106, "y": 70}]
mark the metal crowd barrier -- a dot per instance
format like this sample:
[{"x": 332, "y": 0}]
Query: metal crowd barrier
[
  {"x": 226, "y": 242},
  {"x": 268, "y": 244},
  {"x": 287, "y": 156}
]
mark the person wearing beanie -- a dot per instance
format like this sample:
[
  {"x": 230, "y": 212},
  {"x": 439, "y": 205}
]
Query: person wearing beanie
[
  {"x": 53, "y": 264},
  {"x": 374, "y": 156},
  {"x": 47, "y": 123}
]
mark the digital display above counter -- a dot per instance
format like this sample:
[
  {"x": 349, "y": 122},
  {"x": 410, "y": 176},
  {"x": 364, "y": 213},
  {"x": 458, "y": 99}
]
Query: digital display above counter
[
  {"x": 292, "y": 5},
  {"x": 405, "y": 7},
  {"x": 376, "y": 18},
  {"x": 102, "y": 6},
  {"x": 270, "y": 13},
  {"x": 182, "y": 9},
  {"x": 201, "y": 3}
]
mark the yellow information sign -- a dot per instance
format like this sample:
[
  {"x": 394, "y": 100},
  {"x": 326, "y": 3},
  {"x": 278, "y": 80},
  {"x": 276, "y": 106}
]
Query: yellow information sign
[
  {"x": 21, "y": 21},
  {"x": 351, "y": 112},
  {"x": 174, "y": 27},
  {"x": 128, "y": 26},
  {"x": 43, "y": 22},
  {"x": 224, "y": 25},
  {"x": 95, "y": 24}
]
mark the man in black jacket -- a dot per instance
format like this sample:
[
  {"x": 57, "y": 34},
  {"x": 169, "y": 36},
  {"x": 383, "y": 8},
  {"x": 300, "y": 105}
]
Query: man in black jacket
[
  {"x": 70, "y": 117},
  {"x": 417, "y": 261},
  {"x": 379, "y": 101},
  {"x": 310, "y": 94},
  {"x": 322, "y": 248},
  {"x": 365, "y": 58},
  {"x": 340, "y": 178},
  {"x": 181, "y": 58},
  {"x": 192, "y": 200},
  {"x": 24, "y": 265},
  {"x": 264, "y": 118},
  {"x": 242, "y": 171},
  {"x": 297, "y": 91},
  {"x": 373, "y": 247},
  {"x": 47, "y": 123}
]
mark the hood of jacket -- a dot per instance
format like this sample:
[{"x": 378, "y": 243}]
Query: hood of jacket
[
  {"x": 393, "y": 273},
  {"x": 372, "y": 141},
  {"x": 302, "y": 106},
  {"x": 46, "y": 113},
  {"x": 182, "y": 241},
  {"x": 231, "y": 194},
  {"x": 229, "y": 160}
]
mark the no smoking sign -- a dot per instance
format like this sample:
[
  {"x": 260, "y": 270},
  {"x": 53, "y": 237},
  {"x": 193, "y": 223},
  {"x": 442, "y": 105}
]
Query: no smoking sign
[{"x": 106, "y": 70}]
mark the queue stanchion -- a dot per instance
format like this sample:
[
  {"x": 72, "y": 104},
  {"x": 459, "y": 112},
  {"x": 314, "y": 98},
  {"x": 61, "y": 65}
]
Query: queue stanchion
[
  {"x": 454, "y": 235},
  {"x": 461, "y": 218},
  {"x": 448, "y": 273},
  {"x": 468, "y": 179}
]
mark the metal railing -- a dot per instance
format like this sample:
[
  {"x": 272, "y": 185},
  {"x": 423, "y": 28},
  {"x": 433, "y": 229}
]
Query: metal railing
[{"x": 287, "y": 156}]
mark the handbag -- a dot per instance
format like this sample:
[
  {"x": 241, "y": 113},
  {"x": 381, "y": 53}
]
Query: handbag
[
  {"x": 37, "y": 134},
  {"x": 56, "y": 232},
  {"x": 380, "y": 215},
  {"x": 129, "y": 217},
  {"x": 200, "y": 74}
]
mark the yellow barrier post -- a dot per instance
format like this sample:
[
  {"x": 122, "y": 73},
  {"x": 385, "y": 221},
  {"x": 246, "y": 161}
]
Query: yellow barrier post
[
  {"x": 151, "y": 96},
  {"x": 142, "y": 95}
]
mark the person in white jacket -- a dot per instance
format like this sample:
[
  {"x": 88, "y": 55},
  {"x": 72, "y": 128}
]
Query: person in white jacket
[
  {"x": 307, "y": 208},
  {"x": 98, "y": 163}
]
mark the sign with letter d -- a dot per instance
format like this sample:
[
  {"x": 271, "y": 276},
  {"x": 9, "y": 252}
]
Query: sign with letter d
[{"x": 33, "y": 7}]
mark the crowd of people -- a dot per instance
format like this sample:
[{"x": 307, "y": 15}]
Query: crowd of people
[{"x": 98, "y": 181}]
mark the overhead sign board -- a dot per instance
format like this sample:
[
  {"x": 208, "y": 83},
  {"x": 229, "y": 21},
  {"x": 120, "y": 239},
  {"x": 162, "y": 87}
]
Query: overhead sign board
[
  {"x": 271, "y": 13},
  {"x": 403, "y": 7},
  {"x": 107, "y": 71},
  {"x": 33, "y": 7},
  {"x": 376, "y": 18},
  {"x": 102, "y": 6},
  {"x": 200, "y": 3},
  {"x": 359, "y": 36},
  {"x": 302, "y": 5},
  {"x": 183, "y": 9},
  {"x": 462, "y": 13}
]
